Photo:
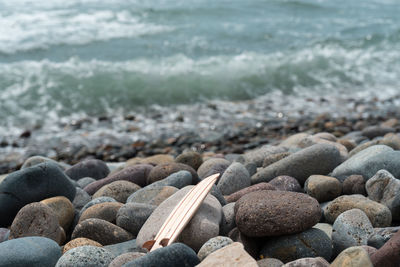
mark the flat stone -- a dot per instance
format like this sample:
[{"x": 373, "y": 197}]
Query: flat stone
[
  {"x": 106, "y": 211},
  {"x": 274, "y": 213},
  {"x": 191, "y": 158},
  {"x": 132, "y": 216},
  {"x": 86, "y": 256},
  {"x": 152, "y": 195},
  {"x": 378, "y": 214},
  {"x": 354, "y": 184},
  {"x": 94, "y": 202},
  {"x": 29, "y": 185},
  {"x": 389, "y": 254},
  {"x": 63, "y": 208},
  {"x": 257, "y": 187},
  {"x": 213, "y": 166},
  {"x": 118, "y": 190},
  {"x": 32, "y": 251},
  {"x": 94, "y": 168},
  {"x": 212, "y": 245},
  {"x": 310, "y": 243},
  {"x": 235, "y": 178},
  {"x": 85, "y": 181},
  {"x": 162, "y": 171},
  {"x": 81, "y": 198},
  {"x": 308, "y": 262},
  {"x": 228, "y": 219},
  {"x": 286, "y": 183},
  {"x": 178, "y": 179},
  {"x": 353, "y": 256},
  {"x": 316, "y": 159},
  {"x": 323, "y": 188},
  {"x": 124, "y": 258},
  {"x": 78, "y": 242}
]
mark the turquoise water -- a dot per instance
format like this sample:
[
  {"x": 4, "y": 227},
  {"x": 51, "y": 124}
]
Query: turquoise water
[{"x": 93, "y": 57}]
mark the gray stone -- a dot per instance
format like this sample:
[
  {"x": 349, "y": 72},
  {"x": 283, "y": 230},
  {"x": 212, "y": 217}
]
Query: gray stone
[
  {"x": 351, "y": 228},
  {"x": 94, "y": 202},
  {"x": 178, "y": 179},
  {"x": 308, "y": 262},
  {"x": 323, "y": 188},
  {"x": 326, "y": 227},
  {"x": 354, "y": 184},
  {"x": 32, "y": 251},
  {"x": 118, "y": 190},
  {"x": 228, "y": 221},
  {"x": 124, "y": 258},
  {"x": 132, "y": 216},
  {"x": 86, "y": 256},
  {"x": 269, "y": 262},
  {"x": 218, "y": 195},
  {"x": 212, "y": 245},
  {"x": 316, "y": 159},
  {"x": 93, "y": 168},
  {"x": 381, "y": 236},
  {"x": 256, "y": 187},
  {"x": 191, "y": 158},
  {"x": 258, "y": 155},
  {"x": 152, "y": 195},
  {"x": 375, "y": 131},
  {"x": 235, "y": 177},
  {"x": 124, "y": 247},
  {"x": 4, "y": 234},
  {"x": 162, "y": 171},
  {"x": 212, "y": 166},
  {"x": 286, "y": 183},
  {"x": 81, "y": 198},
  {"x": 35, "y": 160},
  {"x": 83, "y": 182}
]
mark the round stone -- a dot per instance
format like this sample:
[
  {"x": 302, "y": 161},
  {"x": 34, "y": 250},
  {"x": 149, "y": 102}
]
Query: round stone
[
  {"x": 152, "y": 195},
  {"x": 106, "y": 211},
  {"x": 83, "y": 182},
  {"x": 78, "y": 242},
  {"x": 93, "y": 168},
  {"x": 212, "y": 166},
  {"x": 257, "y": 187},
  {"x": 118, "y": 190},
  {"x": 86, "y": 256},
  {"x": 124, "y": 258},
  {"x": 63, "y": 208},
  {"x": 96, "y": 201},
  {"x": 354, "y": 184},
  {"x": 323, "y": 188},
  {"x": 353, "y": 256},
  {"x": 164, "y": 170},
  {"x": 235, "y": 178},
  {"x": 212, "y": 245},
  {"x": 286, "y": 183},
  {"x": 132, "y": 216},
  {"x": 191, "y": 158}
]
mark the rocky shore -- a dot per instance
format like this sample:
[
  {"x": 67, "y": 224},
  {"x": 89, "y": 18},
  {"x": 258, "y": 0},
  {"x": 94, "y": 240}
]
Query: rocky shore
[{"x": 310, "y": 190}]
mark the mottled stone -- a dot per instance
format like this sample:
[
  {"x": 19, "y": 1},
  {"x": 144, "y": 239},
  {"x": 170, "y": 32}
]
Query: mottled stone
[
  {"x": 258, "y": 155},
  {"x": 86, "y": 256},
  {"x": 274, "y": 213},
  {"x": 81, "y": 198},
  {"x": 353, "y": 256},
  {"x": 78, "y": 242},
  {"x": 286, "y": 183},
  {"x": 85, "y": 181},
  {"x": 235, "y": 178},
  {"x": 212, "y": 166},
  {"x": 152, "y": 195},
  {"x": 191, "y": 158},
  {"x": 93, "y": 168},
  {"x": 257, "y": 187},
  {"x": 389, "y": 254},
  {"x": 269, "y": 262},
  {"x": 212, "y": 245},
  {"x": 124, "y": 258},
  {"x": 118, "y": 190},
  {"x": 250, "y": 244},
  {"x": 323, "y": 188},
  {"x": 354, "y": 184},
  {"x": 162, "y": 171},
  {"x": 63, "y": 208},
  {"x": 178, "y": 179},
  {"x": 94, "y": 202},
  {"x": 132, "y": 216},
  {"x": 228, "y": 219},
  {"x": 106, "y": 211},
  {"x": 381, "y": 236},
  {"x": 308, "y": 262}
]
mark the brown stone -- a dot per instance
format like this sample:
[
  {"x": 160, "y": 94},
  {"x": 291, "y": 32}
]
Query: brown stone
[
  {"x": 257, "y": 187},
  {"x": 78, "y": 242},
  {"x": 354, "y": 184},
  {"x": 164, "y": 170},
  {"x": 286, "y": 183},
  {"x": 152, "y": 160},
  {"x": 118, "y": 190},
  {"x": 63, "y": 208},
  {"x": 323, "y": 188},
  {"x": 191, "y": 158},
  {"x": 106, "y": 211},
  {"x": 389, "y": 254},
  {"x": 213, "y": 166},
  {"x": 274, "y": 158}
]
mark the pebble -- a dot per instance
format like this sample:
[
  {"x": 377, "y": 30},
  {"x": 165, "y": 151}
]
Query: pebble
[
  {"x": 381, "y": 236},
  {"x": 228, "y": 219},
  {"x": 18, "y": 189},
  {"x": 152, "y": 160},
  {"x": 63, "y": 208},
  {"x": 36, "y": 219},
  {"x": 118, "y": 190},
  {"x": 326, "y": 227},
  {"x": 81, "y": 198},
  {"x": 310, "y": 243},
  {"x": 85, "y": 181},
  {"x": 106, "y": 211},
  {"x": 269, "y": 262},
  {"x": 351, "y": 228},
  {"x": 229, "y": 255},
  {"x": 258, "y": 155},
  {"x": 4, "y": 234},
  {"x": 354, "y": 184},
  {"x": 174, "y": 255},
  {"x": 132, "y": 216},
  {"x": 94, "y": 202},
  {"x": 218, "y": 195},
  {"x": 235, "y": 178},
  {"x": 162, "y": 171},
  {"x": 213, "y": 166},
  {"x": 191, "y": 158},
  {"x": 274, "y": 158},
  {"x": 124, "y": 247},
  {"x": 101, "y": 231},
  {"x": 212, "y": 245},
  {"x": 308, "y": 262},
  {"x": 86, "y": 256},
  {"x": 389, "y": 254},
  {"x": 294, "y": 140},
  {"x": 35, "y": 160},
  {"x": 374, "y": 131},
  {"x": 253, "y": 188},
  {"x": 152, "y": 195},
  {"x": 378, "y": 214},
  {"x": 94, "y": 168},
  {"x": 274, "y": 213},
  {"x": 353, "y": 256},
  {"x": 286, "y": 183},
  {"x": 78, "y": 242},
  {"x": 250, "y": 244},
  {"x": 178, "y": 179},
  {"x": 32, "y": 251},
  {"x": 316, "y": 159},
  {"x": 323, "y": 188},
  {"x": 124, "y": 258},
  {"x": 385, "y": 189}
]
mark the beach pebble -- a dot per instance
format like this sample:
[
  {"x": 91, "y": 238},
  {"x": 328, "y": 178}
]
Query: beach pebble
[
  {"x": 218, "y": 195},
  {"x": 274, "y": 213},
  {"x": 132, "y": 216},
  {"x": 385, "y": 189},
  {"x": 229, "y": 255},
  {"x": 86, "y": 256},
  {"x": 269, "y": 262},
  {"x": 152, "y": 195},
  {"x": 294, "y": 140},
  {"x": 162, "y": 171},
  {"x": 235, "y": 178},
  {"x": 228, "y": 218},
  {"x": 374, "y": 131},
  {"x": 203, "y": 226},
  {"x": 63, "y": 208},
  {"x": 124, "y": 247},
  {"x": 35, "y": 160},
  {"x": 178, "y": 179},
  {"x": 286, "y": 183},
  {"x": 106, "y": 211},
  {"x": 354, "y": 184},
  {"x": 257, "y": 187},
  {"x": 174, "y": 255},
  {"x": 378, "y": 214},
  {"x": 36, "y": 219},
  {"x": 19, "y": 188},
  {"x": 389, "y": 254},
  {"x": 32, "y": 251},
  {"x": 308, "y": 262},
  {"x": 258, "y": 155},
  {"x": 212, "y": 245},
  {"x": 326, "y": 227},
  {"x": 191, "y": 158},
  {"x": 78, "y": 242},
  {"x": 310, "y": 243},
  {"x": 213, "y": 166},
  {"x": 101, "y": 231},
  {"x": 94, "y": 168},
  {"x": 96, "y": 201},
  {"x": 274, "y": 158},
  {"x": 351, "y": 228},
  {"x": 136, "y": 174},
  {"x": 152, "y": 160},
  {"x": 124, "y": 258},
  {"x": 250, "y": 244},
  {"x": 83, "y": 182},
  {"x": 381, "y": 236},
  {"x": 353, "y": 256},
  {"x": 4, "y": 234},
  {"x": 323, "y": 188},
  {"x": 118, "y": 190},
  {"x": 316, "y": 159},
  {"x": 81, "y": 198}
]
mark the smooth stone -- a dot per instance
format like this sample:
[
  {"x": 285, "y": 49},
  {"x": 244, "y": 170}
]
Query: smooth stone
[
  {"x": 258, "y": 155},
  {"x": 94, "y": 202},
  {"x": 381, "y": 236},
  {"x": 269, "y": 262},
  {"x": 152, "y": 195},
  {"x": 85, "y": 181},
  {"x": 353, "y": 256},
  {"x": 106, "y": 211},
  {"x": 32, "y": 251},
  {"x": 213, "y": 166},
  {"x": 312, "y": 140},
  {"x": 118, "y": 190},
  {"x": 351, "y": 228},
  {"x": 378, "y": 214},
  {"x": 385, "y": 189},
  {"x": 136, "y": 174},
  {"x": 230, "y": 255},
  {"x": 326, "y": 136},
  {"x": 274, "y": 213},
  {"x": 86, "y": 256},
  {"x": 4, "y": 234},
  {"x": 81, "y": 198},
  {"x": 310, "y": 243},
  {"x": 274, "y": 158},
  {"x": 228, "y": 221},
  {"x": 375, "y": 131},
  {"x": 174, "y": 255},
  {"x": 218, "y": 195},
  {"x": 124, "y": 247},
  {"x": 63, "y": 209},
  {"x": 36, "y": 160},
  {"x": 152, "y": 160},
  {"x": 308, "y": 262},
  {"x": 36, "y": 219},
  {"x": 323, "y": 188},
  {"x": 132, "y": 216},
  {"x": 212, "y": 245},
  {"x": 94, "y": 168},
  {"x": 101, "y": 231},
  {"x": 29, "y": 185},
  {"x": 326, "y": 227},
  {"x": 389, "y": 254},
  {"x": 191, "y": 158},
  {"x": 203, "y": 226},
  {"x": 250, "y": 244},
  {"x": 286, "y": 183},
  {"x": 251, "y": 168},
  {"x": 124, "y": 258},
  {"x": 253, "y": 188},
  {"x": 79, "y": 242},
  {"x": 178, "y": 179},
  {"x": 115, "y": 166},
  {"x": 316, "y": 159},
  {"x": 370, "y": 250},
  {"x": 354, "y": 184},
  {"x": 162, "y": 171},
  {"x": 294, "y": 140},
  {"x": 235, "y": 178}
]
